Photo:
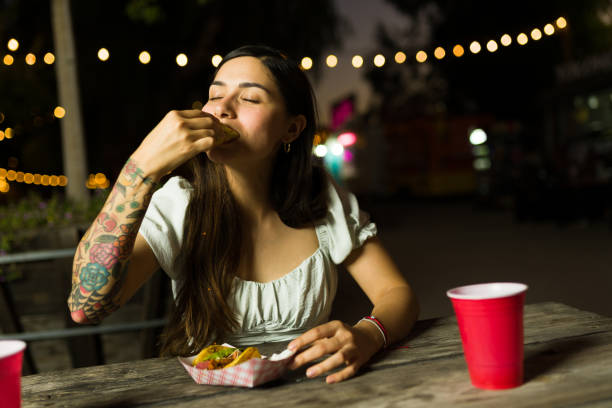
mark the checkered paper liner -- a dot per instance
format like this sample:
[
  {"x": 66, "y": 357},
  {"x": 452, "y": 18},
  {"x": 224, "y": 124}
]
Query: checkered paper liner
[{"x": 251, "y": 373}]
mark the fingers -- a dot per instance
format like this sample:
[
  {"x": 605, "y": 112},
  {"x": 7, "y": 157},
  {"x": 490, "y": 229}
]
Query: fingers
[
  {"x": 346, "y": 356},
  {"x": 193, "y": 113},
  {"x": 312, "y": 335},
  {"x": 318, "y": 350}
]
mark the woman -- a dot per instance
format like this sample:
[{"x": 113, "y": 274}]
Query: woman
[{"x": 250, "y": 233}]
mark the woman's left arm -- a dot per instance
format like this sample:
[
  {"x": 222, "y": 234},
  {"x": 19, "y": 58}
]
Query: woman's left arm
[{"x": 395, "y": 306}]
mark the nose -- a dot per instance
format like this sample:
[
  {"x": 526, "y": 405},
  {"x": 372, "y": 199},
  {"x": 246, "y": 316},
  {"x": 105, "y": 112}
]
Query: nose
[{"x": 223, "y": 108}]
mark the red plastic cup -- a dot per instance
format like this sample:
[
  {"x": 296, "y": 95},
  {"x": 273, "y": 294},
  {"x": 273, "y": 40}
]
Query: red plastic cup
[
  {"x": 11, "y": 352},
  {"x": 490, "y": 319}
]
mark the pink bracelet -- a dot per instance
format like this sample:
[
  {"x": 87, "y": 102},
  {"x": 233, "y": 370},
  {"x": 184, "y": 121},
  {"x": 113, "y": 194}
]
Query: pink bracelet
[{"x": 380, "y": 328}]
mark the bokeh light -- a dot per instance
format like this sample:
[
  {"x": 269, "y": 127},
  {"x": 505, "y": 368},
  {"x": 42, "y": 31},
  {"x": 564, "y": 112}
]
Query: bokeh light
[
  {"x": 49, "y": 58},
  {"x": 492, "y": 46},
  {"x": 306, "y": 63},
  {"x": 458, "y": 51},
  {"x": 59, "y": 112},
  {"x": 439, "y": 53},
  {"x": 8, "y": 59},
  {"x": 331, "y": 61},
  {"x": 12, "y": 44},
  {"x": 30, "y": 59},
  {"x": 421, "y": 56},
  {"x": 475, "y": 47},
  {"x": 400, "y": 57},
  {"x": 505, "y": 40},
  {"x": 216, "y": 60},
  {"x": 181, "y": 60},
  {"x": 379, "y": 60},
  {"x": 103, "y": 54},
  {"x": 522, "y": 39},
  {"x": 561, "y": 22},
  {"x": 536, "y": 34},
  {"x": 357, "y": 61},
  {"x": 144, "y": 57},
  {"x": 549, "y": 29}
]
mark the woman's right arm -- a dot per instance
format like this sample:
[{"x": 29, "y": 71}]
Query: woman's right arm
[{"x": 112, "y": 260}]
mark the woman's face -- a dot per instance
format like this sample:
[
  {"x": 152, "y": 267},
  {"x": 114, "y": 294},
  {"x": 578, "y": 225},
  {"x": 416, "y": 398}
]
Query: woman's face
[{"x": 244, "y": 95}]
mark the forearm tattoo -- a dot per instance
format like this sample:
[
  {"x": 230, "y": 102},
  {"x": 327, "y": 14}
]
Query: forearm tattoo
[{"x": 103, "y": 255}]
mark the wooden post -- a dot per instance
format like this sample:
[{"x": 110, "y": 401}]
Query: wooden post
[{"x": 73, "y": 143}]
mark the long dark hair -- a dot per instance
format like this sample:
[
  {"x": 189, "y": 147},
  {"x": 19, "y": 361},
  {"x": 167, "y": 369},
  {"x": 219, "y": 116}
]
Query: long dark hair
[{"x": 201, "y": 313}]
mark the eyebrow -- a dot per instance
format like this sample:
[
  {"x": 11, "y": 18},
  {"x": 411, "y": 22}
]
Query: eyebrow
[{"x": 243, "y": 85}]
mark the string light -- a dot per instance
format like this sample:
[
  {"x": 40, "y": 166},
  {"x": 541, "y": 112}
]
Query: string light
[
  {"x": 536, "y": 34},
  {"x": 475, "y": 47},
  {"x": 421, "y": 56},
  {"x": 306, "y": 63},
  {"x": 400, "y": 57},
  {"x": 216, "y": 60},
  {"x": 331, "y": 61},
  {"x": 458, "y": 51},
  {"x": 49, "y": 58},
  {"x": 103, "y": 54},
  {"x": 144, "y": 57},
  {"x": 59, "y": 112},
  {"x": 492, "y": 46},
  {"x": 181, "y": 60},
  {"x": 379, "y": 60},
  {"x": 30, "y": 59},
  {"x": 12, "y": 44},
  {"x": 549, "y": 29},
  {"x": 561, "y": 23},
  {"x": 505, "y": 40}
]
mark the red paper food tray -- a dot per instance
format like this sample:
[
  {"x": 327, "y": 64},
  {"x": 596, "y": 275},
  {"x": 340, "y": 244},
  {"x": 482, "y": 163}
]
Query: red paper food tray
[{"x": 248, "y": 374}]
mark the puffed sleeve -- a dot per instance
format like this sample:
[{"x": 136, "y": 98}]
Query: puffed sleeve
[
  {"x": 162, "y": 226},
  {"x": 348, "y": 227}
]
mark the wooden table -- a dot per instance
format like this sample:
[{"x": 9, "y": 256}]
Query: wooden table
[{"x": 568, "y": 362}]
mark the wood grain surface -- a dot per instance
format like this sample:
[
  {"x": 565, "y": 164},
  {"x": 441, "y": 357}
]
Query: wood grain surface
[{"x": 568, "y": 362}]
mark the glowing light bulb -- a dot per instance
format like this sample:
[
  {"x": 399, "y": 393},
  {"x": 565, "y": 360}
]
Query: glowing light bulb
[
  {"x": 379, "y": 60},
  {"x": 13, "y": 44},
  {"x": 49, "y": 58},
  {"x": 306, "y": 63},
  {"x": 536, "y": 34},
  {"x": 181, "y": 60},
  {"x": 561, "y": 22},
  {"x": 478, "y": 136},
  {"x": 522, "y": 39},
  {"x": 59, "y": 112},
  {"x": 103, "y": 54},
  {"x": 439, "y": 53},
  {"x": 216, "y": 60},
  {"x": 492, "y": 46},
  {"x": 144, "y": 57},
  {"x": 400, "y": 57},
  {"x": 421, "y": 56},
  {"x": 331, "y": 61},
  {"x": 549, "y": 29},
  {"x": 320, "y": 150},
  {"x": 8, "y": 59},
  {"x": 475, "y": 47},
  {"x": 357, "y": 61},
  {"x": 458, "y": 51},
  {"x": 30, "y": 59},
  {"x": 505, "y": 40}
]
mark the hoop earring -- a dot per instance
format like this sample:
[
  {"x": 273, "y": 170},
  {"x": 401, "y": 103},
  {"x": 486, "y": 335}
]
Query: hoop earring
[{"x": 287, "y": 147}]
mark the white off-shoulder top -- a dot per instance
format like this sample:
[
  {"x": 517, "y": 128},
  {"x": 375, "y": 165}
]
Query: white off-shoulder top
[{"x": 284, "y": 308}]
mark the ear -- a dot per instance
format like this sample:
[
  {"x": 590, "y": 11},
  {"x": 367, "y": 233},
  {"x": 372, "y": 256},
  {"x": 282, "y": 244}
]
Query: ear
[{"x": 296, "y": 126}]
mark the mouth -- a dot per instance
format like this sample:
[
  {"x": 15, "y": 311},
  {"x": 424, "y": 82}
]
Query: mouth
[{"x": 228, "y": 135}]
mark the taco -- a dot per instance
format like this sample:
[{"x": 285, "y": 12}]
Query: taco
[
  {"x": 227, "y": 135},
  {"x": 215, "y": 356}
]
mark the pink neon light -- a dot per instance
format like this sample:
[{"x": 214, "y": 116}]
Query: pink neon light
[{"x": 347, "y": 139}]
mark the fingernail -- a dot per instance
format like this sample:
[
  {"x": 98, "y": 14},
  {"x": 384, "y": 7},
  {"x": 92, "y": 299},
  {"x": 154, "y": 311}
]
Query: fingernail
[
  {"x": 311, "y": 372},
  {"x": 330, "y": 380},
  {"x": 291, "y": 347}
]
